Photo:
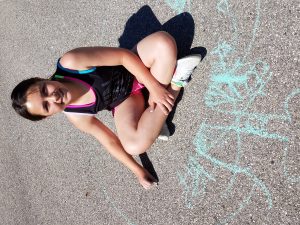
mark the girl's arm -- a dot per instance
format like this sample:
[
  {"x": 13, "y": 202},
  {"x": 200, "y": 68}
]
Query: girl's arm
[
  {"x": 91, "y": 125},
  {"x": 87, "y": 57}
]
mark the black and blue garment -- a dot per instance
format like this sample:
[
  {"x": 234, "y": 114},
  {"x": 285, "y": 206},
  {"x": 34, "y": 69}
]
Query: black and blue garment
[{"x": 111, "y": 85}]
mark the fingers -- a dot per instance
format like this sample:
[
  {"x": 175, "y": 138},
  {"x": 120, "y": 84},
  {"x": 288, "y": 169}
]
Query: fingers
[
  {"x": 146, "y": 183},
  {"x": 166, "y": 106},
  {"x": 149, "y": 186},
  {"x": 149, "y": 183},
  {"x": 165, "y": 101},
  {"x": 147, "y": 180},
  {"x": 151, "y": 106},
  {"x": 171, "y": 96},
  {"x": 170, "y": 101}
]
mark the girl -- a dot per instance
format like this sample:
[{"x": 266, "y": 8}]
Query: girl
[{"x": 91, "y": 79}]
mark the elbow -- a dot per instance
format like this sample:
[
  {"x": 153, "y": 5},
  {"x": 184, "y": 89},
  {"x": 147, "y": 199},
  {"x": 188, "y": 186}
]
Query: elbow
[{"x": 126, "y": 56}]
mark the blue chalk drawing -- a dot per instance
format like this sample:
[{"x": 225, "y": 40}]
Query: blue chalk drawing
[
  {"x": 118, "y": 211},
  {"x": 178, "y": 5},
  {"x": 234, "y": 85}
]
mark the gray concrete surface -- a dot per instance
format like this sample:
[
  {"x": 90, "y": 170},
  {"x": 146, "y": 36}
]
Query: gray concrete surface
[{"x": 234, "y": 156}]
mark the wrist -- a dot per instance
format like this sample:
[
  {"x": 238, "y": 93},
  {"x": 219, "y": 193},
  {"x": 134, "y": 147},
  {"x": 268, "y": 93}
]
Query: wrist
[
  {"x": 152, "y": 85},
  {"x": 138, "y": 170}
]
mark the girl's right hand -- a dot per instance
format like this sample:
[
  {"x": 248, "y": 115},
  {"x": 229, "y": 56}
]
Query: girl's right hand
[{"x": 146, "y": 179}]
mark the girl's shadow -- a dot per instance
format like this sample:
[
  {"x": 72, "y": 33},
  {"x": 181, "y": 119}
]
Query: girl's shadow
[
  {"x": 181, "y": 27},
  {"x": 144, "y": 23}
]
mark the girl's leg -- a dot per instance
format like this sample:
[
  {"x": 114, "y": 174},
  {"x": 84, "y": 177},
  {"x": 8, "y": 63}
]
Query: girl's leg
[{"x": 138, "y": 128}]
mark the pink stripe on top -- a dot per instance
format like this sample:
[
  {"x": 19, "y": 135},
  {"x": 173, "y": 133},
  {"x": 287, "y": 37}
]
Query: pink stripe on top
[
  {"x": 136, "y": 89},
  {"x": 88, "y": 86}
]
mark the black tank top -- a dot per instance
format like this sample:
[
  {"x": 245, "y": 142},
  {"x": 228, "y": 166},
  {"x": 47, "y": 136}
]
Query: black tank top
[{"x": 110, "y": 84}]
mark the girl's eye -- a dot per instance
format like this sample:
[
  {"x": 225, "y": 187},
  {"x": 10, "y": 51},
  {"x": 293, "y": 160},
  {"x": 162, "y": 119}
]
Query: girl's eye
[
  {"x": 46, "y": 106},
  {"x": 44, "y": 90}
]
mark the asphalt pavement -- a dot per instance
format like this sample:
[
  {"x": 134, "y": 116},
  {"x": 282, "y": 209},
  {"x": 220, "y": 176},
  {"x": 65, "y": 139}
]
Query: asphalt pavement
[{"x": 234, "y": 153}]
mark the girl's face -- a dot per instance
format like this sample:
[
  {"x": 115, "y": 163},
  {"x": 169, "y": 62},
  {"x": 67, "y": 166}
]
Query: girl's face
[{"x": 47, "y": 98}]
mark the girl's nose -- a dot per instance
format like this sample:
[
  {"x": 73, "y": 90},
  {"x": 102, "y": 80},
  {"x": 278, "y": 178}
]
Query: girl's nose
[{"x": 54, "y": 97}]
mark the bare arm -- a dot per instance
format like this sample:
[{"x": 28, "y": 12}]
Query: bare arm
[
  {"x": 87, "y": 57},
  {"x": 112, "y": 144}
]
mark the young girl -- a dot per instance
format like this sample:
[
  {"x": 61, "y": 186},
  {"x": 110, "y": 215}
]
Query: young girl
[{"x": 91, "y": 79}]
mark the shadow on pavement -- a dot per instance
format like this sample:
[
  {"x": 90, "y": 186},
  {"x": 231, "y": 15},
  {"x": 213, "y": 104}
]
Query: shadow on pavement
[
  {"x": 144, "y": 22},
  {"x": 147, "y": 164}
]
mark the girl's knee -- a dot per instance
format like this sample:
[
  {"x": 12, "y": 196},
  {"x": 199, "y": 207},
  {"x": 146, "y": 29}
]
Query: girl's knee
[
  {"x": 137, "y": 147},
  {"x": 165, "y": 43}
]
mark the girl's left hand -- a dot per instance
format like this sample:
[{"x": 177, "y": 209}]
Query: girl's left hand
[{"x": 161, "y": 97}]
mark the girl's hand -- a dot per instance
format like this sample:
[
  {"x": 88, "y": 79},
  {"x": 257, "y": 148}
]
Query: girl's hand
[
  {"x": 161, "y": 97},
  {"x": 146, "y": 179}
]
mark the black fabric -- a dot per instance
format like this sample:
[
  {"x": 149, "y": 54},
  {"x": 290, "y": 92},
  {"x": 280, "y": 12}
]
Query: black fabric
[{"x": 112, "y": 85}]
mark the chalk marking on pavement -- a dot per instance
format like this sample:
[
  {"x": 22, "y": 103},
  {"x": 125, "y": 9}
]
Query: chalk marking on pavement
[
  {"x": 178, "y": 5},
  {"x": 232, "y": 90}
]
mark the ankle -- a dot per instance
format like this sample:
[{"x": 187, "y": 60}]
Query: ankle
[{"x": 174, "y": 87}]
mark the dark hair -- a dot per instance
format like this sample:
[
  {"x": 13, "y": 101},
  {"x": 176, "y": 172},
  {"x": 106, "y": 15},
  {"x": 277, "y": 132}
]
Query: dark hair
[{"x": 19, "y": 98}]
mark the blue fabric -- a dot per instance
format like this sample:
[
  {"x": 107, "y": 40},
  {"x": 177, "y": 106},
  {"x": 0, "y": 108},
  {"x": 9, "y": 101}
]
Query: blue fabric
[{"x": 75, "y": 71}]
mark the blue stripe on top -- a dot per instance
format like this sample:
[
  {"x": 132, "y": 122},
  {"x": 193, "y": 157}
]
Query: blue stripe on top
[{"x": 75, "y": 71}]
